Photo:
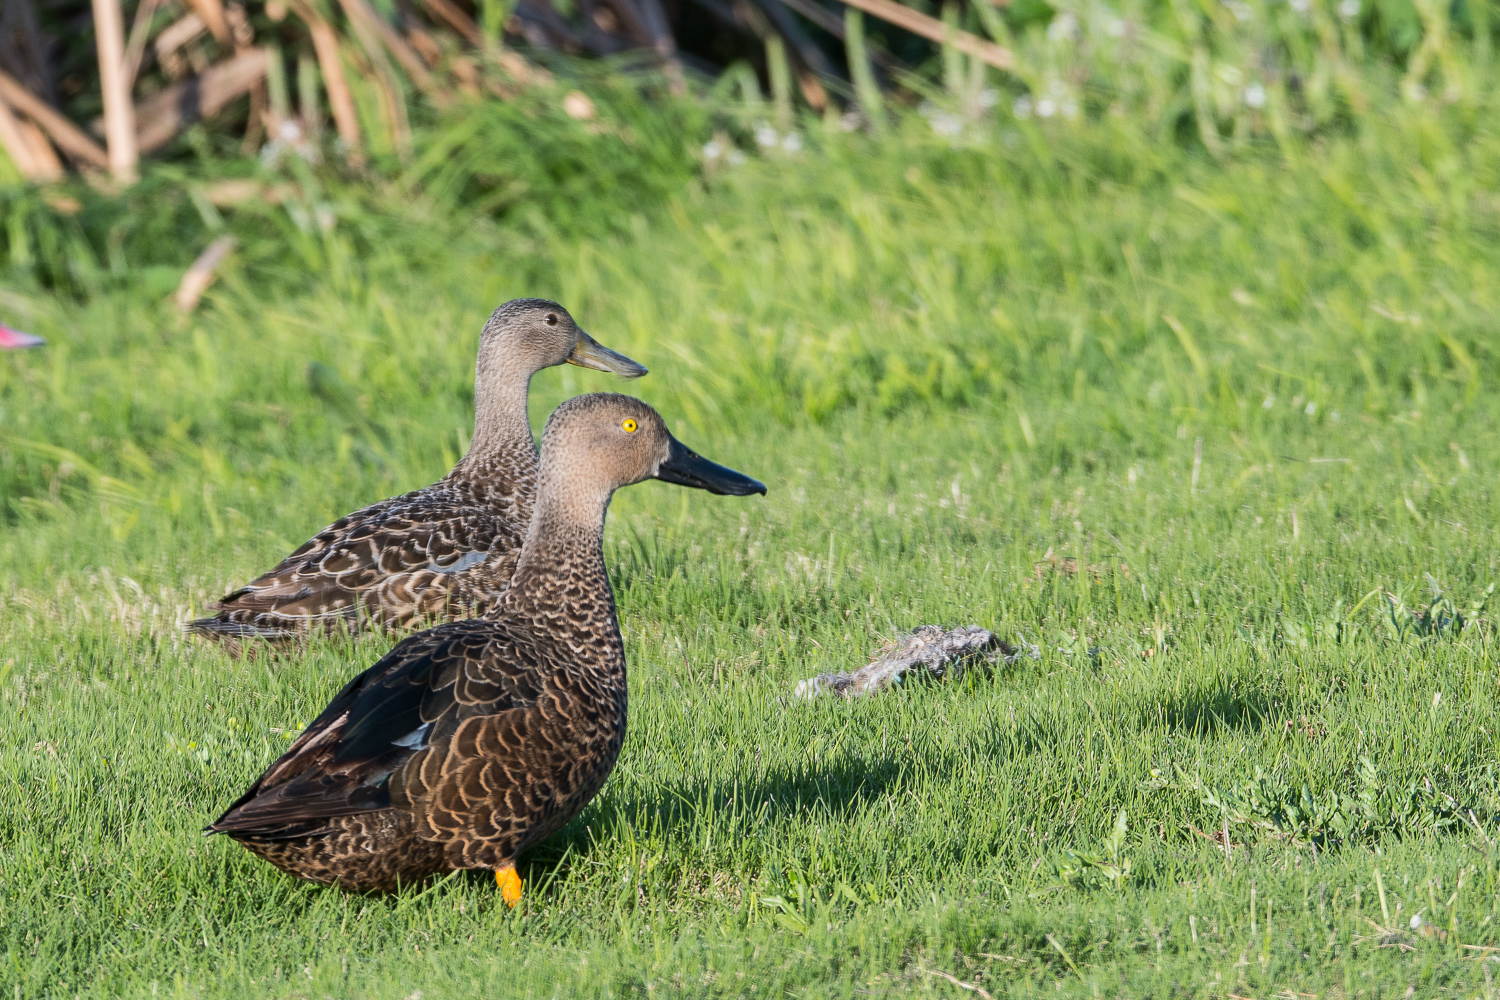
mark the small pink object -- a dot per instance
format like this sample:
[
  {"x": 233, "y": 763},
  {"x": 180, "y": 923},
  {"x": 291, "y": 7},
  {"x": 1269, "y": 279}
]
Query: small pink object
[{"x": 15, "y": 338}]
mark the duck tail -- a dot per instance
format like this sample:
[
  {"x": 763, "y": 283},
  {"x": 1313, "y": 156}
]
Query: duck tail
[{"x": 222, "y": 628}]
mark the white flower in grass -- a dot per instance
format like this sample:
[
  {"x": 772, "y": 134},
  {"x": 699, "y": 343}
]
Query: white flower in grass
[
  {"x": 766, "y": 136},
  {"x": 1046, "y": 108},
  {"x": 576, "y": 104},
  {"x": 1300, "y": 6},
  {"x": 989, "y": 97},
  {"x": 713, "y": 149},
  {"x": 1240, "y": 10},
  {"x": 1064, "y": 26},
  {"x": 945, "y": 124},
  {"x": 1255, "y": 96},
  {"x": 792, "y": 142},
  {"x": 1023, "y": 106},
  {"x": 1349, "y": 9},
  {"x": 736, "y": 158}
]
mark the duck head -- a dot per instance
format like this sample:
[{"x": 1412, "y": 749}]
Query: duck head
[
  {"x": 592, "y": 446},
  {"x": 527, "y": 335},
  {"x": 597, "y": 443}
]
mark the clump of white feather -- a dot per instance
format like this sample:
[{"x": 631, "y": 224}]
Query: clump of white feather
[{"x": 928, "y": 649}]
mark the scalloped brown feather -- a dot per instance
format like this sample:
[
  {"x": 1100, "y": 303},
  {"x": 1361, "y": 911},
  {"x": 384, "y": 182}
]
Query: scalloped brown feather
[
  {"x": 437, "y": 553},
  {"x": 463, "y": 746}
]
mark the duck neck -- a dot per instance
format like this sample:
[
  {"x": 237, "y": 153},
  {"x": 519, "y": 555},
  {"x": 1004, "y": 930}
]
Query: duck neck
[
  {"x": 502, "y": 435},
  {"x": 561, "y": 583}
]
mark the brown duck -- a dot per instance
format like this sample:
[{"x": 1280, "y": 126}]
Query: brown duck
[
  {"x": 442, "y": 552},
  {"x": 474, "y": 740}
]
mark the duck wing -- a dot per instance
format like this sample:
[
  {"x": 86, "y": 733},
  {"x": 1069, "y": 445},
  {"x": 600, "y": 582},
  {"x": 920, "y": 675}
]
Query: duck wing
[
  {"x": 396, "y": 561},
  {"x": 343, "y": 763}
]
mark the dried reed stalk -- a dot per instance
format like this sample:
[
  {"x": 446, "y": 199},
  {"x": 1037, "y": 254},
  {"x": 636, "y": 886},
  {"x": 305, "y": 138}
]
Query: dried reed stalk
[
  {"x": 934, "y": 30},
  {"x": 198, "y": 277},
  {"x": 212, "y": 12},
  {"x": 455, "y": 17},
  {"x": 405, "y": 54},
  {"x": 69, "y": 137},
  {"x": 49, "y": 167},
  {"x": 177, "y": 34},
  {"x": 119, "y": 117},
  {"x": 384, "y": 78},
  {"x": 168, "y": 111},
  {"x": 135, "y": 48},
  {"x": 16, "y": 144},
  {"x": 340, "y": 101}
]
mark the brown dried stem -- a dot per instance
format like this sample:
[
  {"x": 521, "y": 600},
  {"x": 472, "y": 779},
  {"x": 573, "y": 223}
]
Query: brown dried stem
[
  {"x": 212, "y": 12},
  {"x": 340, "y": 101},
  {"x": 69, "y": 137},
  {"x": 405, "y": 54},
  {"x": 455, "y": 17},
  {"x": 167, "y": 112},
  {"x": 934, "y": 30},
  {"x": 135, "y": 48},
  {"x": 119, "y": 124},
  {"x": 16, "y": 144},
  {"x": 384, "y": 75}
]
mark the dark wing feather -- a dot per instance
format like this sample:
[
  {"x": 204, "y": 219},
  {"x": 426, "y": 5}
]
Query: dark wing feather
[
  {"x": 397, "y": 559},
  {"x": 343, "y": 762}
]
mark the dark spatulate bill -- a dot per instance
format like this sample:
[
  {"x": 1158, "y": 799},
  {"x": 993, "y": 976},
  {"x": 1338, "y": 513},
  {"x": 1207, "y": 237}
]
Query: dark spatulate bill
[{"x": 686, "y": 467}]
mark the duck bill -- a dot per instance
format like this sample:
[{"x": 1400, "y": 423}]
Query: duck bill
[
  {"x": 589, "y": 353},
  {"x": 686, "y": 467}
]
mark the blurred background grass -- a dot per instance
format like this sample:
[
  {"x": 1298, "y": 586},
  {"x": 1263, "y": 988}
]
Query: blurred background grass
[{"x": 1090, "y": 301}]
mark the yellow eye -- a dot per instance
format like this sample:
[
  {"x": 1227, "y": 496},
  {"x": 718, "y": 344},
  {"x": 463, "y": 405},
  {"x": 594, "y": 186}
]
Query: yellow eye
[{"x": 629, "y": 426}]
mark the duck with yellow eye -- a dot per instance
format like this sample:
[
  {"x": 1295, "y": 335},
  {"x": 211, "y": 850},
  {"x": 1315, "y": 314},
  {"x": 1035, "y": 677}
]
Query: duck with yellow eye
[{"x": 475, "y": 740}]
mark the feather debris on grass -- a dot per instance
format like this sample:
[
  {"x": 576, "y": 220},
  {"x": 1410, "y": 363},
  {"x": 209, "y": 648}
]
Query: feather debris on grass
[{"x": 930, "y": 650}]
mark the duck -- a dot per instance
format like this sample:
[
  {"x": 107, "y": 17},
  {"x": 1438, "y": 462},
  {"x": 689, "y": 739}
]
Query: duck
[
  {"x": 474, "y": 740},
  {"x": 442, "y": 552}
]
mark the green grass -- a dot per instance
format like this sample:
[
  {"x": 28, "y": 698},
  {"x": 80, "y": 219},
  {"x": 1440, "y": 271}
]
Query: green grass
[{"x": 945, "y": 363}]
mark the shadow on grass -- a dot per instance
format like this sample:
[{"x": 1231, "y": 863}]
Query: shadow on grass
[{"x": 839, "y": 791}]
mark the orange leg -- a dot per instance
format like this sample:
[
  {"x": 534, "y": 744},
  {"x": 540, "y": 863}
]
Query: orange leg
[{"x": 509, "y": 883}]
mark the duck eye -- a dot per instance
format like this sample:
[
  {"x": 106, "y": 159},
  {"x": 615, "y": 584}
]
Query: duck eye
[
  {"x": 551, "y": 319},
  {"x": 628, "y": 426}
]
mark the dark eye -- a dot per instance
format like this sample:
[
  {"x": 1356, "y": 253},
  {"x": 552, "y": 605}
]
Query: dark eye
[{"x": 551, "y": 319}]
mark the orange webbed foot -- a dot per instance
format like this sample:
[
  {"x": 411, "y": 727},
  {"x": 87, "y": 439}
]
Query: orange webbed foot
[{"x": 510, "y": 885}]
